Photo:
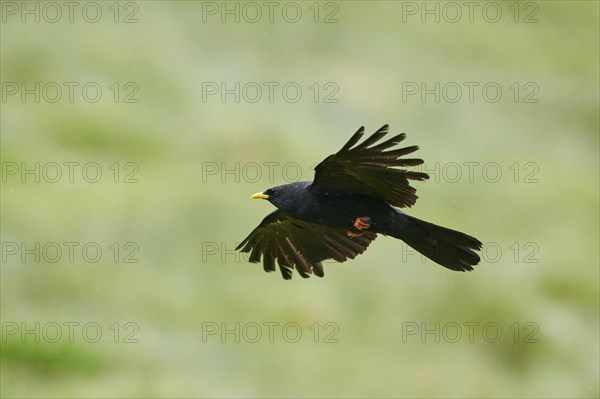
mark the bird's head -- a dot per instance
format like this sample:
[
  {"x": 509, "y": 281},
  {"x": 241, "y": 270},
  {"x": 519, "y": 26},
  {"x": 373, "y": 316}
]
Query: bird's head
[{"x": 286, "y": 197}]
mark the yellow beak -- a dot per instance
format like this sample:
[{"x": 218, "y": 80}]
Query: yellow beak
[{"x": 259, "y": 196}]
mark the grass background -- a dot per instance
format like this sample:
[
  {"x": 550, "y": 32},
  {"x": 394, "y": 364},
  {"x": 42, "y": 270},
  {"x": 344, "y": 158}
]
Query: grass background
[{"x": 177, "y": 213}]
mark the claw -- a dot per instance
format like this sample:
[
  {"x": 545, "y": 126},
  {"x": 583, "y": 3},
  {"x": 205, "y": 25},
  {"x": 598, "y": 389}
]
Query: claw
[
  {"x": 353, "y": 234},
  {"x": 362, "y": 223}
]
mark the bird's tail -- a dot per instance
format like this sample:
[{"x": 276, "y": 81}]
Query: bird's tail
[{"x": 449, "y": 248}]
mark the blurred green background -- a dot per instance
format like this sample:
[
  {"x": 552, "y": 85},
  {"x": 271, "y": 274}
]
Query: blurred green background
[{"x": 178, "y": 163}]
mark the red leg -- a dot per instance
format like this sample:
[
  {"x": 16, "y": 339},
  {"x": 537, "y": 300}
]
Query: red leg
[
  {"x": 362, "y": 223},
  {"x": 353, "y": 234}
]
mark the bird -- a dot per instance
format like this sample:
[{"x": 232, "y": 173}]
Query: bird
[{"x": 355, "y": 195}]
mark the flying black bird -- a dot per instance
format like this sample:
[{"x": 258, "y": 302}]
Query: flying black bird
[{"x": 351, "y": 199}]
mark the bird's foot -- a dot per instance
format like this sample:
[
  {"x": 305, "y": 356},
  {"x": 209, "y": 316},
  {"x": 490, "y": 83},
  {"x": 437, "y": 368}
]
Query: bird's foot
[
  {"x": 362, "y": 223},
  {"x": 353, "y": 234}
]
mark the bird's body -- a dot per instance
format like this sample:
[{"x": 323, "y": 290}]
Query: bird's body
[
  {"x": 354, "y": 197},
  {"x": 335, "y": 209}
]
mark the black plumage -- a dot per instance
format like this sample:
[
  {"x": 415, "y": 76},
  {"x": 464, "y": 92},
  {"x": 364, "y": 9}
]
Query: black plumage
[{"x": 352, "y": 198}]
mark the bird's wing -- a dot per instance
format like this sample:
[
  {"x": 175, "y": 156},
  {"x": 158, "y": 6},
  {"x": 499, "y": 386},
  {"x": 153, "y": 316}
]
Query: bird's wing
[
  {"x": 302, "y": 245},
  {"x": 367, "y": 168}
]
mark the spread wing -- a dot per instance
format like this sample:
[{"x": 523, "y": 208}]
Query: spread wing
[
  {"x": 370, "y": 169},
  {"x": 301, "y": 245}
]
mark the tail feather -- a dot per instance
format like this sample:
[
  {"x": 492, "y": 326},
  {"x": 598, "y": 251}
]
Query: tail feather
[{"x": 447, "y": 247}]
